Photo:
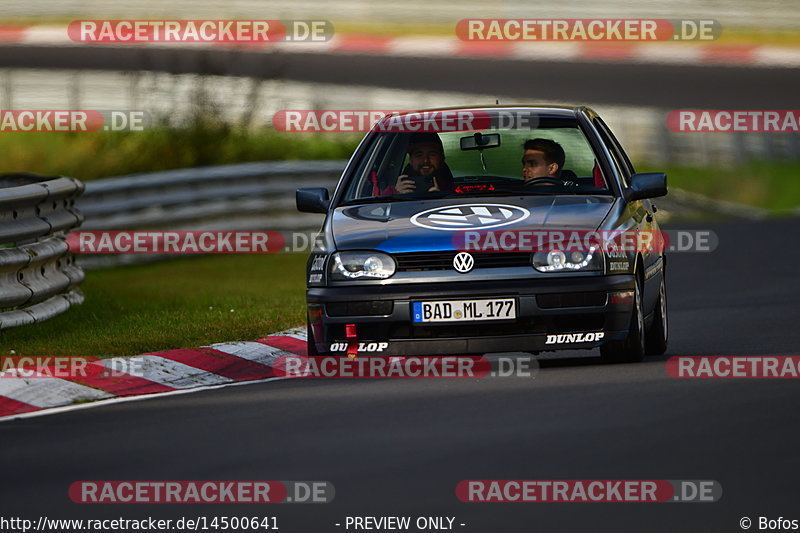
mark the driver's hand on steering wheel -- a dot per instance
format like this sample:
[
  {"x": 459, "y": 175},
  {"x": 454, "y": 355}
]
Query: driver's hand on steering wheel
[
  {"x": 534, "y": 183},
  {"x": 547, "y": 180}
]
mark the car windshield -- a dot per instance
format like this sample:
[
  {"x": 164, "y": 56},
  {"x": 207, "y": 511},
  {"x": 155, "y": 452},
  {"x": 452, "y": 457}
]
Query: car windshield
[{"x": 405, "y": 165}]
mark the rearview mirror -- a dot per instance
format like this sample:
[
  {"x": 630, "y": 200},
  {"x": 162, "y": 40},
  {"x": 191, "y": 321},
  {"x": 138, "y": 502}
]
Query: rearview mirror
[
  {"x": 479, "y": 141},
  {"x": 646, "y": 185},
  {"x": 312, "y": 200}
]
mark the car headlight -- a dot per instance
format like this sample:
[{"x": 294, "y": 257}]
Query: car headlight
[
  {"x": 356, "y": 265},
  {"x": 568, "y": 261}
]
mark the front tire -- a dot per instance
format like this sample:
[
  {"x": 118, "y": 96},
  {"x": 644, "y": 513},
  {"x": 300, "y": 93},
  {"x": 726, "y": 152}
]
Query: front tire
[
  {"x": 311, "y": 349},
  {"x": 658, "y": 333},
  {"x": 632, "y": 349}
]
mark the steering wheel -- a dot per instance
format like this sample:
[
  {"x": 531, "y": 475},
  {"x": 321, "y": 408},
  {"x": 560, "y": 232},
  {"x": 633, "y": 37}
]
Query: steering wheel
[{"x": 548, "y": 181}]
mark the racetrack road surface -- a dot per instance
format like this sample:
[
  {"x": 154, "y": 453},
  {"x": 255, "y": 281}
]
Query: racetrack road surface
[
  {"x": 705, "y": 86},
  {"x": 399, "y": 447}
]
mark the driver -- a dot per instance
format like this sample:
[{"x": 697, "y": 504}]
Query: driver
[
  {"x": 426, "y": 158},
  {"x": 543, "y": 158}
]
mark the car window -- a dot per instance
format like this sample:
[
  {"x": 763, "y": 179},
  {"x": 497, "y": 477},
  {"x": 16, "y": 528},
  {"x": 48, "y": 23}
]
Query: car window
[
  {"x": 621, "y": 160},
  {"x": 617, "y": 145},
  {"x": 499, "y": 169}
]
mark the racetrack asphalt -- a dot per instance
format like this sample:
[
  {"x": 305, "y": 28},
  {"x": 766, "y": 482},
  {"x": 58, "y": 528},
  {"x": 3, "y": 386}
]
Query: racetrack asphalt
[
  {"x": 527, "y": 81},
  {"x": 399, "y": 447}
]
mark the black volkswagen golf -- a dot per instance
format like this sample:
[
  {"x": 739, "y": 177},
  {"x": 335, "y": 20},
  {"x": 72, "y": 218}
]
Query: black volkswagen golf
[{"x": 497, "y": 229}]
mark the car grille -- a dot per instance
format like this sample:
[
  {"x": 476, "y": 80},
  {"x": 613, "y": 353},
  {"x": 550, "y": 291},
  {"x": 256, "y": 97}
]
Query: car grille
[
  {"x": 573, "y": 299},
  {"x": 444, "y": 260}
]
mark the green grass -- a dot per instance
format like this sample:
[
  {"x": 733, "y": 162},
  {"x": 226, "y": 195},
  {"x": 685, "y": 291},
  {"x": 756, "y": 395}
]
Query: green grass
[
  {"x": 88, "y": 156},
  {"x": 773, "y": 185},
  {"x": 174, "y": 304}
]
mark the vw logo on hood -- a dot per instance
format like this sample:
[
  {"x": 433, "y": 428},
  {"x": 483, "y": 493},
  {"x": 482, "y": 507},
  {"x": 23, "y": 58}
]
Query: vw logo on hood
[{"x": 470, "y": 216}]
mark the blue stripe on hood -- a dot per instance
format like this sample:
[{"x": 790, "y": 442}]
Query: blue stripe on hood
[{"x": 419, "y": 241}]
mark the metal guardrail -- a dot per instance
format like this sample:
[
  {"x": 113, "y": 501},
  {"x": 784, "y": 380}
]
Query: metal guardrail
[
  {"x": 38, "y": 275},
  {"x": 221, "y": 197},
  {"x": 242, "y": 197}
]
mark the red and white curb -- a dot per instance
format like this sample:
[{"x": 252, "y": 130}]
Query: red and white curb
[
  {"x": 167, "y": 372},
  {"x": 708, "y": 53}
]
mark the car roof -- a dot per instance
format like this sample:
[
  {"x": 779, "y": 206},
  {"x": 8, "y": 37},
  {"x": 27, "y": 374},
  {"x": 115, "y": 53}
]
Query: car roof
[{"x": 552, "y": 110}]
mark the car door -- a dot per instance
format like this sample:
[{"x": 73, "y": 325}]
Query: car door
[{"x": 642, "y": 211}]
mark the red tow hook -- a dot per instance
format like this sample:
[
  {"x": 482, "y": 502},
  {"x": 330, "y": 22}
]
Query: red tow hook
[{"x": 352, "y": 340}]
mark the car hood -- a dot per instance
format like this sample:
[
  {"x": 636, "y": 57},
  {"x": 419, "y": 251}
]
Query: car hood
[{"x": 430, "y": 225}]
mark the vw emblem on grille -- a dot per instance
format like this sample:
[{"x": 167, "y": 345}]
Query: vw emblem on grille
[
  {"x": 470, "y": 216},
  {"x": 463, "y": 262}
]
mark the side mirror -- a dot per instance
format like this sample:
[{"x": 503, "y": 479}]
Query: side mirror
[
  {"x": 646, "y": 185},
  {"x": 312, "y": 200}
]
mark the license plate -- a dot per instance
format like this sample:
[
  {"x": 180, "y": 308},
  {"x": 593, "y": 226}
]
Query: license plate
[{"x": 464, "y": 310}]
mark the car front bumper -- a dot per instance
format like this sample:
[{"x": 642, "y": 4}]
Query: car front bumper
[{"x": 548, "y": 311}]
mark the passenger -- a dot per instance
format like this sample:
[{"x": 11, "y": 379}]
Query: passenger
[{"x": 426, "y": 158}]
